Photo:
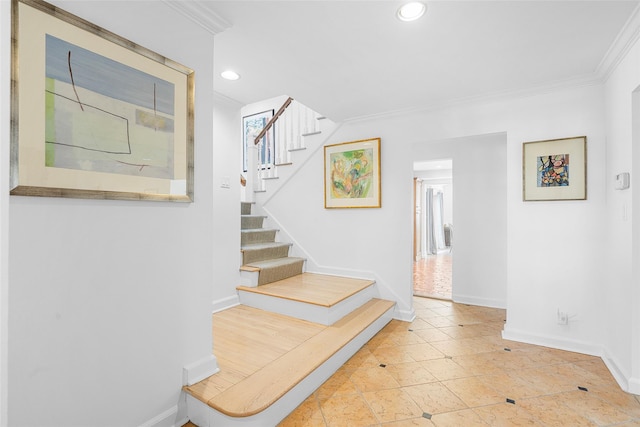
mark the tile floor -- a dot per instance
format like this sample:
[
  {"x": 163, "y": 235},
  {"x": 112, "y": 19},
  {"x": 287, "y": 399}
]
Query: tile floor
[
  {"x": 450, "y": 367},
  {"x": 432, "y": 276}
]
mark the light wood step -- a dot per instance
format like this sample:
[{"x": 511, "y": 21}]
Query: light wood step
[
  {"x": 314, "y": 297},
  {"x": 268, "y": 394}
]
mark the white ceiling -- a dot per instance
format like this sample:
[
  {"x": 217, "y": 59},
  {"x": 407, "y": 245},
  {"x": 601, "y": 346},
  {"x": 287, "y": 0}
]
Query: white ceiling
[{"x": 348, "y": 59}]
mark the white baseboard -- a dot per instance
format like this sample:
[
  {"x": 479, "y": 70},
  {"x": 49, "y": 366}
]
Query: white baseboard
[
  {"x": 166, "y": 419},
  {"x": 197, "y": 371},
  {"x": 626, "y": 381},
  {"x": 483, "y": 302},
  {"x": 404, "y": 315},
  {"x": 224, "y": 303},
  {"x": 561, "y": 343}
]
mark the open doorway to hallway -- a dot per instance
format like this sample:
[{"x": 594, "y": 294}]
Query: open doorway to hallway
[{"x": 433, "y": 229}]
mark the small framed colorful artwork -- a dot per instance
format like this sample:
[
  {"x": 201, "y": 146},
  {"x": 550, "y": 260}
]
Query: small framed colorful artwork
[
  {"x": 555, "y": 169},
  {"x": 352, "y": 174}
]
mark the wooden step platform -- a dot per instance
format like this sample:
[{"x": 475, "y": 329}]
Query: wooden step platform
[
  {"x": 269, "y": 363},
  {"x": 314, "y": 297}
]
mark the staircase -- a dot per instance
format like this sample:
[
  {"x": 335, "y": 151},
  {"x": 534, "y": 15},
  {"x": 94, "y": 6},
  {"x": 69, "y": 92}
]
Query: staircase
[
  {"x": 263, "y": 259},
  {"x": 293, "y": 329}
]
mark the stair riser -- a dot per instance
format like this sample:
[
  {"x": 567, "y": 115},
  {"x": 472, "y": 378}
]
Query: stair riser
[
  {"x": 279, "y": 273},
  {"x": 257, "y": 236},
  {"x": 245, "y": 208},
  {"x": 253, "y": 255},
  {"x": 251, "y": 222},
  {"x": 306, "y": 311}
]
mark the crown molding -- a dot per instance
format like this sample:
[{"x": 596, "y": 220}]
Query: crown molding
[
  {"x": 506, "y": 95},
  {"x": 201, "y": 13},
  {"x": 623, "y": 42}
]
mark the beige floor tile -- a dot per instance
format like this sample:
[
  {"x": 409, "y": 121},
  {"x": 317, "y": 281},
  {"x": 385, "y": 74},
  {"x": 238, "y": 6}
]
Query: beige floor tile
[
  {"x": 590, "y": 406},
  {"x": 478, "y": 364},
  {"x": 344, "y": 411},
  {"x": 466, "y": 418},
  {"x": 412, "y": 373},
  {"x": 446, "y": 369},
  {"x": 553, "y": 413},
  {"x": 435, "y": 398},
  {"x": 506, "y": 415},
  {"x": 468, "y": 382},
  {"x": 362, "y": 359},
  {"x": 406, "y": 337},
  {"x": 395, "y": 354},
  {"x": 473, "y": 392},
  {"x": 413, "y": 422},
  {"x": 627, "y": 403},
  {"x": 381, "y": 339},
  {"x": 432, "y": 335},
  {"x": 421, "y": 352},
  {"x": 419, "y": 324},
  {"x": 338, "y": 385},
  {"x": 372, "y": 379},
  {"x": 308, "y": 414},
  {"x": 392, "y": 405},
  {"x": 511, "y": 385}
]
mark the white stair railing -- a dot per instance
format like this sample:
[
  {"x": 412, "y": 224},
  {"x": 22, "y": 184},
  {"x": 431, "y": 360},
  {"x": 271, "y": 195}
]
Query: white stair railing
[{"x": 274, "y": 148}]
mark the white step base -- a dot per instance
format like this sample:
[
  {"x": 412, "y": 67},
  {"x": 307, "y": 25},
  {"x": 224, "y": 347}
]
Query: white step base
[
  {"x": 307, "y": 311},
  {"x": 203, "y": 415}
]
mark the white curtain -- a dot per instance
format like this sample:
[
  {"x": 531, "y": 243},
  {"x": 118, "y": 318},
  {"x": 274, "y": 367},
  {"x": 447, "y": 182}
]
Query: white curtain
[{"x": 434, "y": 210}]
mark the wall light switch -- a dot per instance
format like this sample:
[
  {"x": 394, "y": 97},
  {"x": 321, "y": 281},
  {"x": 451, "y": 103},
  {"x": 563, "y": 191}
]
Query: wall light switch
[
  {"x": 225, "y": 182},
  {"x": 622, "y": 181}
]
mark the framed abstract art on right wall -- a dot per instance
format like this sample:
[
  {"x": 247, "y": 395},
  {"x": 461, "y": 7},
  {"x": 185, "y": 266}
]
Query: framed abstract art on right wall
[{"x": 555, "y": 169}]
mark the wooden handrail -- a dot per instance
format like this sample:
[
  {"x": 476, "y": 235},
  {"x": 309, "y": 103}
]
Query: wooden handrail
[{"x": 273, "y": 120}]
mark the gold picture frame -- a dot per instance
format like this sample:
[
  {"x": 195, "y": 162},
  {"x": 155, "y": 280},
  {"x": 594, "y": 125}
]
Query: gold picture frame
[
  {"x": 352, "y": 174},
  {"x": 94, "y": 115},
  {"x": 555, "y": 169}
]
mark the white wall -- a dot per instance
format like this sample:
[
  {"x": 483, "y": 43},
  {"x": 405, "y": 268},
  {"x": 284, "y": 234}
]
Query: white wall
[
  {"x": 480, "y": 210},
  {"x": 226, "y": 209},
  {"x": 554, "y": 248},
  {"x": 621, "y": 299},
  {"x": 109, "y": 300}
]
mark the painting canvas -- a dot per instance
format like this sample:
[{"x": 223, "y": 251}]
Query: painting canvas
[
  {"x": 548, "y": 173},
  {"x": 251, "y": 127},
  {"x": 103, "y": 119},
  {"x": 352, "y": 174}
]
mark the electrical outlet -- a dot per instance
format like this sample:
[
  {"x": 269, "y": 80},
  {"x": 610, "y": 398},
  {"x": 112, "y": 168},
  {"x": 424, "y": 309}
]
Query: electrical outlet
[{"x": 563, "y": 318}]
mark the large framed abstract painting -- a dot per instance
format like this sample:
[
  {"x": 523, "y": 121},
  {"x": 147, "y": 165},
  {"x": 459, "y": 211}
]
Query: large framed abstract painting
[
  {"x": 352, "y": 174},
  {"x": 555, "y": 169},
  {"x": 95, "y": 115},
  {"x": 252, "y": 125}
]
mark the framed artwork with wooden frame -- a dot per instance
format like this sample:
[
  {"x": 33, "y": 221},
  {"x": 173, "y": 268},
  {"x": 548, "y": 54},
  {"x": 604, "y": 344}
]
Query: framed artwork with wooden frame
[
  {"x": 555, "y": 169},
  {"x": 352, "y": 174},
  {"x": 94, "y": 115}
]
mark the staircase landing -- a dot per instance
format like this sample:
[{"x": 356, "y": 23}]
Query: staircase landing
[
  {"x": 314, "y": 297},
  {"x": 312, "y": 288},
  {"x": 270, "y": 363}
]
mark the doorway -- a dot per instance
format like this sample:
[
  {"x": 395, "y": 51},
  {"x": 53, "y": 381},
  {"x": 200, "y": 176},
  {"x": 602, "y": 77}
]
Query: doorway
[{"x": 433, "y": 229}]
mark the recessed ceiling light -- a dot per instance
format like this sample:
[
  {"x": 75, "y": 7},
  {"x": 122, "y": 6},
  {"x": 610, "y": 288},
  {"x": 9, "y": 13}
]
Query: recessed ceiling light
[
  {"x": 230, "y": 75},
  {"x": 411, "y": 11}
]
